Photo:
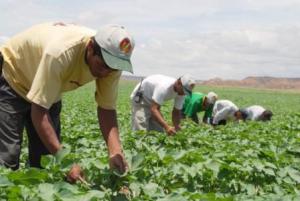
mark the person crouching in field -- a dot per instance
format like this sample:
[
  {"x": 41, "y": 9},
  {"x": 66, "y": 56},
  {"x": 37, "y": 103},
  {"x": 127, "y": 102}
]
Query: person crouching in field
[
  {"x": 150, "y": 94},
  {"x": 257, "y": 113},
  {"x": 225, "y": 110},
  {"x": 199, "y": 102},
  {"x": 43, "y": 62}
]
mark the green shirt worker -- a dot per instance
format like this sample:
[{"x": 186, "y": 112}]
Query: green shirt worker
[
  {"x": 198, "y": 102},
  {"x": 43, "y": 62}
]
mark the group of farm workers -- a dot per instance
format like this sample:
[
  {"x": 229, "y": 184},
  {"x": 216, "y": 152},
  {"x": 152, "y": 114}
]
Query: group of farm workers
[
  {"x": 149, "y": 95},
  {"x": 41, "y": 63}
]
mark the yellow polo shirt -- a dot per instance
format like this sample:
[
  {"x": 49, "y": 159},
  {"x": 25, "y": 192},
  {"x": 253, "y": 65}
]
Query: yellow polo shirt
[{"x": 48, "y": 59}]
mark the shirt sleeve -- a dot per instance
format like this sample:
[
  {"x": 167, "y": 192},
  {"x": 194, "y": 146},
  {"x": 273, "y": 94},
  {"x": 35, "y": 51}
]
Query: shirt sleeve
[
  {"x": 107, "y": 90},
  {"x": 46, "y": 86},
  {"x": 178, "y": 102}
]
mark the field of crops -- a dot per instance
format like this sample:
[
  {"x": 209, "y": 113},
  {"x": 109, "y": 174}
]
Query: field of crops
[{"x": 246, "y": 161}]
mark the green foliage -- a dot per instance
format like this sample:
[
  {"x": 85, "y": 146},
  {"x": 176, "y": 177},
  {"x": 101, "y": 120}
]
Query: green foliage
[{"x": 246, "y": 161}]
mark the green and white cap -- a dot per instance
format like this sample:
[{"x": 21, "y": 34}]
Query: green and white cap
[{"x": 116, "y": 46}]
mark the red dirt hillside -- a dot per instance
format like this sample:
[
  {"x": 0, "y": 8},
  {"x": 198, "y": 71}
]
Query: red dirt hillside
[{"x": 258, "y": 82}]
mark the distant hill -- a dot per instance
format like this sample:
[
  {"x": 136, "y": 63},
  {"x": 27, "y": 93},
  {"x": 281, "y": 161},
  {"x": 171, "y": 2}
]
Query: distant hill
[
  {"x": 139, "y": 78},
  {"x": 130, "y": 77},
  {"x": 250, "y": 82},
  {"x": 258, "y": 82}
]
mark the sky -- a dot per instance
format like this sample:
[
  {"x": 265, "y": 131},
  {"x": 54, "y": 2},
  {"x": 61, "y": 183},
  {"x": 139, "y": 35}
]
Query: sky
[{"x": 229, "y": 39}]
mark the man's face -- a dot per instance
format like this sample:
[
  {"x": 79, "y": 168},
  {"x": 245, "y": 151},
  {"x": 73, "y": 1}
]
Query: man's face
[
  {"x": 238, "y": 116},
  {"x": 206, "y": 104},
  {"x": 179, "y": 88},
  {"x": 98, "y": 67},
  {"x": 180, "y": 91}
]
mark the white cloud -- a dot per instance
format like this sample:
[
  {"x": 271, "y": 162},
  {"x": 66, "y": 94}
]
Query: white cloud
[
  {"x": 231, "y": 39},
  {"x": 228, "y": 54},
  {"x": 3, "y": 39}
]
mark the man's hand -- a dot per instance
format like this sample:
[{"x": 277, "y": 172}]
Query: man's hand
[
  {"x": 170, "y": 130},
  {"x": 75, "y": 174},
  {"x": 118, "y": 162},
  {"x": 109, "y": 127}
]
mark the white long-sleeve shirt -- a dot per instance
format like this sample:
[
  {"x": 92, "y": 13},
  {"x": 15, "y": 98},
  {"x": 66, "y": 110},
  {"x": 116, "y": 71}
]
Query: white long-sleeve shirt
[
  {"x": 223, "y": 110},
  {"x": 254, "y": 112}
]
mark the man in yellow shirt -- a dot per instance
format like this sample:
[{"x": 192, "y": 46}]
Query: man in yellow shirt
[{"x": 46, "y": 60}]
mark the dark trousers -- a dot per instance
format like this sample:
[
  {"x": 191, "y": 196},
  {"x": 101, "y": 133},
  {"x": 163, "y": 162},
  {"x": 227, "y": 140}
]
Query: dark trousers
[{"x": 15, "y": 114}]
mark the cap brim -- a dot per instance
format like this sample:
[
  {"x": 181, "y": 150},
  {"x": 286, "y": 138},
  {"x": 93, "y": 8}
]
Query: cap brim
[{"x": 116, "y": 62}]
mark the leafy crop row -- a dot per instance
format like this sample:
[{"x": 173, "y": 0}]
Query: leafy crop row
[{"x": 246, "y": 161}]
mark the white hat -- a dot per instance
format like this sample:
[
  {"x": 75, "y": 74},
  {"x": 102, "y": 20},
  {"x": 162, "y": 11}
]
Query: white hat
[
  {"x": 212, "y": 97},
  {"x": 116, "y": 46},
  {"x": 187, "y": 83}
]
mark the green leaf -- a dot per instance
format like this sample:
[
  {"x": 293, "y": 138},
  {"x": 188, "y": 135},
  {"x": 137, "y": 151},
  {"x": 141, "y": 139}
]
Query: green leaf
[
  {"x": 250, "y": 189},
  {"x": 137, "y": 160},
  {"x": 282, "y": 172},
  {"x": 258, "y": 165},
  {"x": 99, "y": 164},
  {"x": 47, "y": 161},
  {"x": 14, "y": 193},
  {"x": 161, "y": 153},
  {"x": 4, "y": 182},
  {"x": 66, "y": 190},
  {"x": 278, "y": 190},
  {"x": 46, "y": 191},
  {"x": 214, "y": 166},
  {"x": 269, "y": 171},
  {"x": 178, "y": 154},
  {"x": 271, "y": 165},
  {"x": 294, "y": 174},
  {"x": 120, "y": 198},
  {"x": 135, "y": 188},
  {"x": 61, "y": 154},
  {"x": 150, "y": 188},
  {"x": 27, "y": 177},
  {"x": 173, "y": 197},
  {"x": 295, "y": 149},
  {"x": 93, "y": 194}
]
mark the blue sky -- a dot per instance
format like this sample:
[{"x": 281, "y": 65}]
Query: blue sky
[{"x": 230, "y": 39}]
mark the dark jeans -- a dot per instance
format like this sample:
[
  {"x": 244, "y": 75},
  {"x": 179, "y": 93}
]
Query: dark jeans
[{"x": 15, "y": 114}]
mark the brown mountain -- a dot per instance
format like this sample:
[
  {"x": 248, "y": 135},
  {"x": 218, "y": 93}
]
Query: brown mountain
[{"x": 258, "y": 82}]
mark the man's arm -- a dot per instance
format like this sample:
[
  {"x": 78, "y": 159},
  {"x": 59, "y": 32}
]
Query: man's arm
[
  {"x": 42, "y": 124},
  {"x": 207, "y": 116},
  {"x": 155, "y": 111},
  {"x": 176, "y": 116},
  {"x": 109, "y": 128},
  {"x": 195, "y": 118}
]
